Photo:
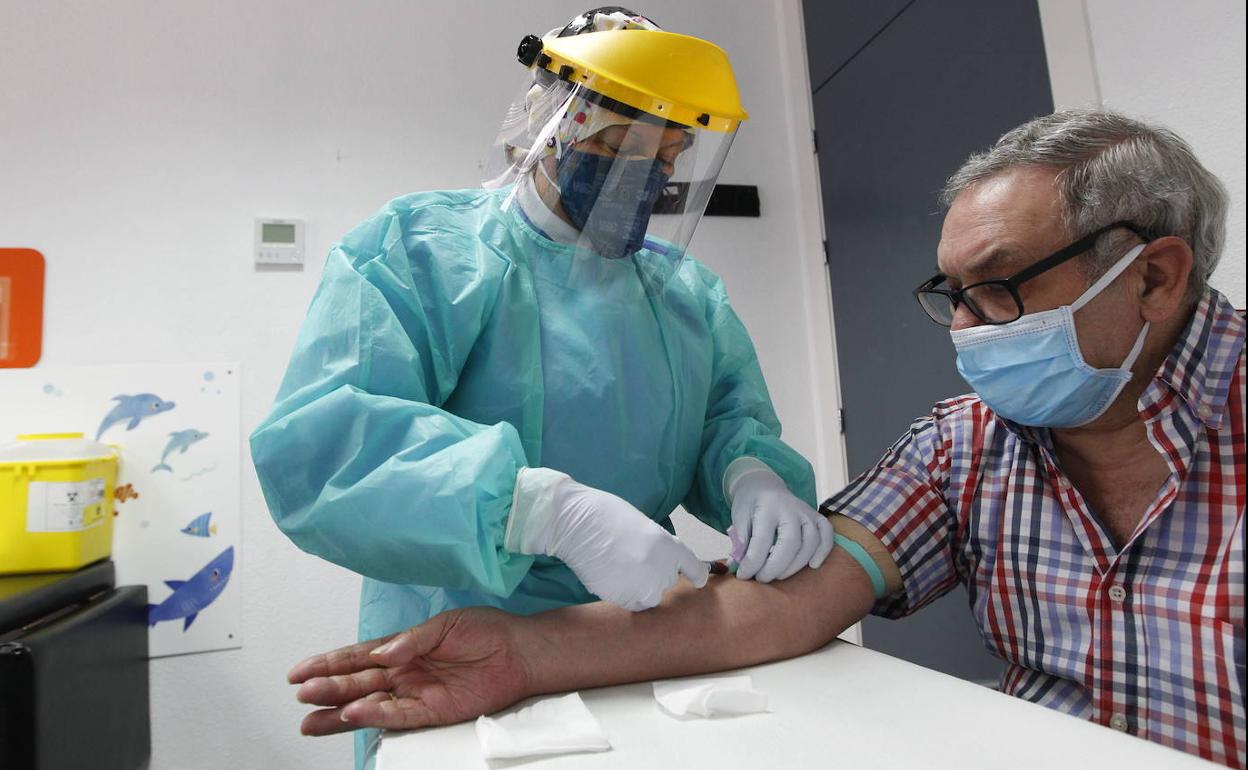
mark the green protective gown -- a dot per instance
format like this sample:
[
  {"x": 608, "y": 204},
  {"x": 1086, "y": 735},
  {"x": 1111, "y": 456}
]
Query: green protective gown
[{"x": 451, "y": 343}]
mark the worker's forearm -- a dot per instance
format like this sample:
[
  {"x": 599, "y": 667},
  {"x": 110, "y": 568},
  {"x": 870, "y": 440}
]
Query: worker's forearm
[{"x": 728, "y": 624}]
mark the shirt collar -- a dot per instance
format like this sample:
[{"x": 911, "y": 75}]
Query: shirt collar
[{"x": 1202, "y": 362}]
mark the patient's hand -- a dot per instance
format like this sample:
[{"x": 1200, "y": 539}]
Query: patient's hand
[
  {"x": 456, "y": 666},
  {"x": 468, "y": 662}
]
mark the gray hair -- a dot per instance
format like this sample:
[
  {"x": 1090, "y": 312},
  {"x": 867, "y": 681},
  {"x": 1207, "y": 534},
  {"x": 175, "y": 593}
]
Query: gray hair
[{"x": 1113, "y": 168}]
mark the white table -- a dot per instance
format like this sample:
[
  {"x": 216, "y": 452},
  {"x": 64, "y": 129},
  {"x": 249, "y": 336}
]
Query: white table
[{"x": 840, "y": 707}]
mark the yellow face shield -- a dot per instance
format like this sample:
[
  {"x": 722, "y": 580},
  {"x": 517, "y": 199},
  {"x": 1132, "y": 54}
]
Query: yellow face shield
[{"x": 621, "y": 154}]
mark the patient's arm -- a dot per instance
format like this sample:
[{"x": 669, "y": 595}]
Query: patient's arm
[
  {"x": 729, "y": 624},
  {"x": 474, "y": 661}
]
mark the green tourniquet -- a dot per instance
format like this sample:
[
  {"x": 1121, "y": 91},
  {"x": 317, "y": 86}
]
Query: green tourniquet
[
  {"x": 449, "y": 344},
  {"x": 868, "y": 564}
]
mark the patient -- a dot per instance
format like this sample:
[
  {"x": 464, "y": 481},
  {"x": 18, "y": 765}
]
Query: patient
[{"x": 1089, "y": 493}]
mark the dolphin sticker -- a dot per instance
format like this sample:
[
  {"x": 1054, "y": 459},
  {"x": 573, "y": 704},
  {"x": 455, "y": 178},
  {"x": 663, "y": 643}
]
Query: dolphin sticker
[
  {"x": 189, "y": 597},
  {"x": 179, "y": 441},
  {"x": 135, "y": 409}
]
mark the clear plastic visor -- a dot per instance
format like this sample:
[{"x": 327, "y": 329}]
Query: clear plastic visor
[{"x": 612, "y": 182}]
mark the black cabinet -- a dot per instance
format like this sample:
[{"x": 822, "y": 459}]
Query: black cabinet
[{"x": 73, "y": 672}]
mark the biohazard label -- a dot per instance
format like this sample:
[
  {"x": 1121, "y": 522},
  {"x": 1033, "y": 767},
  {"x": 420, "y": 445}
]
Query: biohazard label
[{"x": 64, "y": 506}]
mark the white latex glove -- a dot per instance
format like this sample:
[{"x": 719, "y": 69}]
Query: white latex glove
[
  {"x": 620, "y": 554},
  {"x": 781, "y": 533}
]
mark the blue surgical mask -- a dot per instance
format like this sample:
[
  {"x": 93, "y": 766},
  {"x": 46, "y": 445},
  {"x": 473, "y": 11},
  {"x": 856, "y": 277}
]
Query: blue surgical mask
[
  {"x": 1031, "y": 371},
  {"x": 609, "y": 200}
]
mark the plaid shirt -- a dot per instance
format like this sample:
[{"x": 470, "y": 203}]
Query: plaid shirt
[{"x": 1149, "y": 639}]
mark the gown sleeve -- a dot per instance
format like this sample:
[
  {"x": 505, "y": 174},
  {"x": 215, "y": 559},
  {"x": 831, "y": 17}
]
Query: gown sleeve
[
  {"x": 740, "y": 420},
  {"x": 357, "y": 462}
]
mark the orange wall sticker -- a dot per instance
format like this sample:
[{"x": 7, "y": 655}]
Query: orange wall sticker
[{"x": 21, "y": 308}]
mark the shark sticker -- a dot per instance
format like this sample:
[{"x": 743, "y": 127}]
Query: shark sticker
[{"x": 190, "y": 597}]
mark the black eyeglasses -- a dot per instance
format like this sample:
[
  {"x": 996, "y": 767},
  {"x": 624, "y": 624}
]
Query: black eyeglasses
[{"x": 997, "y": 302}]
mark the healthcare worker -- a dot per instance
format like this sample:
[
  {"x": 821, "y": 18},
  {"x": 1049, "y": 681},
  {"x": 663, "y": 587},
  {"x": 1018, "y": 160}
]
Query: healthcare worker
[{"x": 499, "y": 395}]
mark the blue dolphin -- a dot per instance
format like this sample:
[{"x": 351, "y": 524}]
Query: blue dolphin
[
  {"x": 135, "y": 409},
  {"x": 178, "y": 440},
  {"x": 189, "y": 597}
]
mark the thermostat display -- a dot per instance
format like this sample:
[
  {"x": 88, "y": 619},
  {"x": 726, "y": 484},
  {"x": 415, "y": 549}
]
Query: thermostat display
[
  {"x": 279, "y": 242},
  {"x": 272, "y": 233}
]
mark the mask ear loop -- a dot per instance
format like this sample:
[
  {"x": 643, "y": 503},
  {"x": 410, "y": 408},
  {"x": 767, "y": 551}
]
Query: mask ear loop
[
  {"x": 1110, "y": 275},
  {"x": 1135, "y": 350},
  {"x": 541, "y": 167},
  {"x": 550, "y": 129}
]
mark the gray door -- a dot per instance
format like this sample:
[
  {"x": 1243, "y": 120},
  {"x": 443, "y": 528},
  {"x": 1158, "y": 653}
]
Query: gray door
[{"x": 903, "y": 92}]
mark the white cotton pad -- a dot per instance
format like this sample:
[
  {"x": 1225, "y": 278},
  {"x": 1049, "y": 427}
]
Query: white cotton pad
[
  {"x": 552, "y": 726},
  {"x": 719, "y": 696}
]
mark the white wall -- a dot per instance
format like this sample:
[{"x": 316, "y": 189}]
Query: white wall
[
  {"x": 138, "y": 140},
  {"x": 1179, "y": 64}
]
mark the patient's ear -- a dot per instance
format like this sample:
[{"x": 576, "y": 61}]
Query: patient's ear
[{"x": 1167, "y": 264}]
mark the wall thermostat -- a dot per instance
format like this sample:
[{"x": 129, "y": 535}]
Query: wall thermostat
[{"x": 279, "y": 242}]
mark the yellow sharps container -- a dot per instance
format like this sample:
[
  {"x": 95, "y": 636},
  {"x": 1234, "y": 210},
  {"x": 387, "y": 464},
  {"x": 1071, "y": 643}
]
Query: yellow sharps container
[{"x": 56, "y": 502}]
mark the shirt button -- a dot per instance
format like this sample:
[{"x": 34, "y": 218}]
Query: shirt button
[
  {"x": 1118, "y": 722},
  {"x": 1117, "y": 593}
]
